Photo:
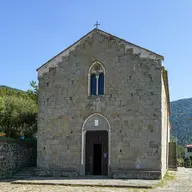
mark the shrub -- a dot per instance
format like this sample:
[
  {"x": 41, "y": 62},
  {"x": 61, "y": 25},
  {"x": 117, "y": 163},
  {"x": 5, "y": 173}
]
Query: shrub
[
  {"x": 187, "y": 162},
  {"x": 180, "y": 162}
]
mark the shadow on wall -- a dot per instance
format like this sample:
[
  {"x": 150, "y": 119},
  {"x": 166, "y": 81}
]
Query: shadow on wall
[{"x": 16, "y": 154}]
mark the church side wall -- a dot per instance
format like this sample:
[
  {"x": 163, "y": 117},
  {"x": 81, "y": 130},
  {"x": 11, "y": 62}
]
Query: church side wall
[
  {"x": 165, "y": 130},
  {"x": 136, "y": 125},
  {"x": 131, "y": 104}
]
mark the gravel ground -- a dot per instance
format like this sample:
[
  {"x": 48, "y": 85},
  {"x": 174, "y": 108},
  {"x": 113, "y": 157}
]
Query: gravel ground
[
  {"x": 183, "y": 183},
  {"x": 8, "y": 187}
]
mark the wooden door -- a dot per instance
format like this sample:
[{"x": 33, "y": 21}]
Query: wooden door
[{"x": 96, "y": 153}]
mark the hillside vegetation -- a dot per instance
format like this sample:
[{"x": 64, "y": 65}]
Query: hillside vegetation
[
  {"x": 18, "y": 112},
  {"x": 181, "y": 120}
]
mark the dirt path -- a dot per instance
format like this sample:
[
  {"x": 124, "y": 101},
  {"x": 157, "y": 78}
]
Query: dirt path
[{"x": 183, "y": 182}]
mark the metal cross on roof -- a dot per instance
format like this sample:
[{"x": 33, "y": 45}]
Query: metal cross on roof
[{"x": 97, "y": 24}]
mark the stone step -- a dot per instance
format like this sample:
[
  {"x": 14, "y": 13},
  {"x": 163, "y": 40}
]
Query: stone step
[
  {"x": 88, "y": 182},
  {"x": 25, "y": 172}
]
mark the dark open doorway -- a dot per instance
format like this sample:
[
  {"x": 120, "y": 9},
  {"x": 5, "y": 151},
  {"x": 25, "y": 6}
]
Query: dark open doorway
[
  {"x": 97, "y": 161},
  {"x": 96, "y": 158}
]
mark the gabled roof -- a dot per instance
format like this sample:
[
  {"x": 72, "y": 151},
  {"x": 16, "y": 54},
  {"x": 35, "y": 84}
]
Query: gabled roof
[{"x": 128, "y": 44}]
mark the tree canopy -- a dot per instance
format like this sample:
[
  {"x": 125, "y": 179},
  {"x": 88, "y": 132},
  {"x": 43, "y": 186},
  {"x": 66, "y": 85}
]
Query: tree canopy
[
  {"x": 181, "y": 113},
  {"x": 18, "y": 112}
]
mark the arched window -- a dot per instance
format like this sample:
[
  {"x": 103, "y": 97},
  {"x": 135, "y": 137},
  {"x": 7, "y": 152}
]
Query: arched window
[{"x": 96, "y": 79}]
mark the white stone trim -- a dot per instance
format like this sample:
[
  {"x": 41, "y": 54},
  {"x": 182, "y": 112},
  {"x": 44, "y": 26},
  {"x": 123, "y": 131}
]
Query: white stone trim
[
  {"x": 96, "y": 62},
  {"x": 84, "y": 141},
  {"x": 83, "y": 147},
  {"x": 97, "y": 84},
  {"x": 89, "y": 84}
]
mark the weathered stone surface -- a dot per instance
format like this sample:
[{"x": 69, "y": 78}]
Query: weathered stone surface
[
  {"x": 56, "y": 173},
  {"x": 15, "y": 156},
  {"x": 122, "y": 174},
  {"x": 134, "y": 104}
]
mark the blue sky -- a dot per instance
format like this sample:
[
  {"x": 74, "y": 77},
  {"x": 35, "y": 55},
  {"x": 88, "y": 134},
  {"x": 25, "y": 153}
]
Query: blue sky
[{"x": 32, "y": 32}]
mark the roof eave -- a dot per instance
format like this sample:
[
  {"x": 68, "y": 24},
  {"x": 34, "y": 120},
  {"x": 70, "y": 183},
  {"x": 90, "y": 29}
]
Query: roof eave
[
  {"x": 162, "y": 57},
  {"x": 65, "y": 49}
]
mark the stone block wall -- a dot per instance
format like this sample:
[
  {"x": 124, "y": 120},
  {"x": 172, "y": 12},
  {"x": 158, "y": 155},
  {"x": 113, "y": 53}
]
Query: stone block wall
[
  {"x": 15, "y": 155},
  {"x": 172, "y": 156},
  {"x": 165, "y": 129},
  {"x": 132, "y": 105}
]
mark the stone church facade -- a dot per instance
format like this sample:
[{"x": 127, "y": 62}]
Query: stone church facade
[{"x": 103, "y": 110}]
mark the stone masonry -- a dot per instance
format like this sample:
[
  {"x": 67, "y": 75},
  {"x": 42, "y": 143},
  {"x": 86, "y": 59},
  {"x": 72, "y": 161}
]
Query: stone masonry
[
  {"x": 16, "y": 155},
  {"x": 135, "y": 105}
]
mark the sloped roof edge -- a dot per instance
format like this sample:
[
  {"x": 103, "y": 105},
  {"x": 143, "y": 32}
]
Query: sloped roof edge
[
  {"x": 165, "y": 80},
  {"x": 133, "y": 44},
  {"x": 104, "y": 33}
]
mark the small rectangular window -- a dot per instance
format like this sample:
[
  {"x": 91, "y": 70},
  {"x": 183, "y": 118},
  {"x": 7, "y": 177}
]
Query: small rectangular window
[
  {"x": 93, "y": 85},
  {"x": 189, "y": 149},
  {"x": 96, "y": 122}
]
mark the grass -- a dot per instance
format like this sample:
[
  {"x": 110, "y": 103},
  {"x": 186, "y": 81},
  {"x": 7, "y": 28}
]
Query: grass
[{"x": 169, "y": 176}]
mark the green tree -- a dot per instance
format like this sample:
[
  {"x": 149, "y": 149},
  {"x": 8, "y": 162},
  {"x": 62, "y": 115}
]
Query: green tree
[
  {"x": 187, "y": 162},
  {"x": 33, "y": 93},
  {"x": 2, "y": 105},
  {"x": 18, "y": 116},
  {"x": 181, "y": 111},
  {"x": 18, "y": 111},
  {"x": 180, "y": 151},
  {"x": 180, "y": 162},
  {"x": 173, "y": 139}
]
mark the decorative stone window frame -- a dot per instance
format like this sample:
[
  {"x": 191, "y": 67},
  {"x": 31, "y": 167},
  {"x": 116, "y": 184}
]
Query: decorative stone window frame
[{"x": 96, "y": 68}]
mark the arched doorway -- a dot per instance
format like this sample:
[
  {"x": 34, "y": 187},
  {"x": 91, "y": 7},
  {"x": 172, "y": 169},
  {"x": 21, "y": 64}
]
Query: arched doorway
[{"x": 95, "y": 155}]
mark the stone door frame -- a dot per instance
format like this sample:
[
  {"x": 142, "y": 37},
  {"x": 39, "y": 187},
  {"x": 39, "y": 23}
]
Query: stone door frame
[{"x": 83, "y": 142}]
